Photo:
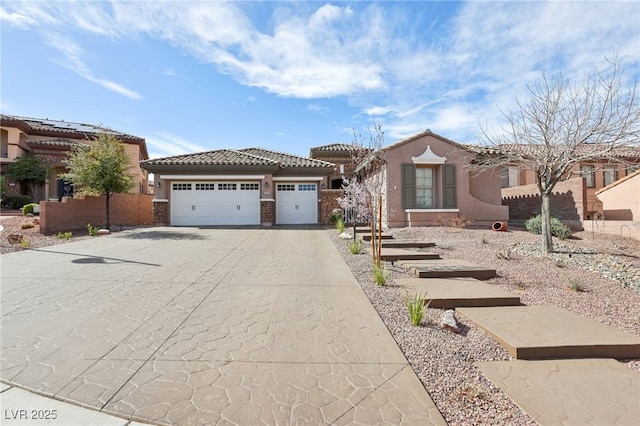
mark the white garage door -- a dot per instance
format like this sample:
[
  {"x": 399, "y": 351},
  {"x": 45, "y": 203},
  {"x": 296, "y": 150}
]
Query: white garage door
[
  {"x": 215, "y": 203},
  {"x": 296, "y": 203}
]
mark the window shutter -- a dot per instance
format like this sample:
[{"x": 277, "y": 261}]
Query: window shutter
[
  {"x": 408, "y": 186},
  {"x": 449, "y": 186}
]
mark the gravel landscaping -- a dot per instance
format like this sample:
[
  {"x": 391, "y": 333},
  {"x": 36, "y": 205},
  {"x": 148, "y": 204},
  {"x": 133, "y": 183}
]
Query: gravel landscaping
[
  {"x": 12, "y": 225},
  {"x": 604, "y": 273}
]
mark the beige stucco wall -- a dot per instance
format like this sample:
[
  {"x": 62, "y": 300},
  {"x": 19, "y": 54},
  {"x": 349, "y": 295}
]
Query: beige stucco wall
[
  {"x": 478, "y": 196},
  {"x": 622, "y": 200}
]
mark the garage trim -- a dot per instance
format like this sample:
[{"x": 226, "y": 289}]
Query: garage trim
[{"x": 212, "y": 177}]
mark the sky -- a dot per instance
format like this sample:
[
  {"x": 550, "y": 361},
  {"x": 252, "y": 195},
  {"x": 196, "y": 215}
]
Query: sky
[{"x": 199, "y": 76}]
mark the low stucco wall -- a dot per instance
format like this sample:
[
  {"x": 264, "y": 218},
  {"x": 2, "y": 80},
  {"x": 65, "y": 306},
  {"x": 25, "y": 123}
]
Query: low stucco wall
[
  {"x": 76, "y": 213},
  {"x": 624, "y": 228},
  {"x": 621, "y": 201}
]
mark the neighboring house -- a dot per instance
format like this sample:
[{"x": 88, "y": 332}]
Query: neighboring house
[
  {"x": 252, "y": 186},
  {"x": 621, "y": 199},
  {"x": 52, "y": 141},
  {"x": 340, "y": 154},
  {"x": 428, "y": 181},
  {"x": 597, "y": 175}
]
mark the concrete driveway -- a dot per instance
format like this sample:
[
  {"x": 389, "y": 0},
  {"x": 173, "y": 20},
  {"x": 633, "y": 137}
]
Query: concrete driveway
[{"x": 205, "y": 326}]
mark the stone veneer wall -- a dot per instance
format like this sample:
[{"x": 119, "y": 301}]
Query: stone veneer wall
[
  {"x": 76, "y": 213},
  {"x": 329, "y": 203},
  {"x": 267, "y": 212},
  {"x": 161, "y": 212},
  {"x": 568, "y": 201}
]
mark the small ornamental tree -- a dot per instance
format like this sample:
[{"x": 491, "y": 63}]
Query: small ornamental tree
[
  {"x": 100, "y": 169},
  {"x": 363, "y": 192},
  {"x": 31, "y": 170}
]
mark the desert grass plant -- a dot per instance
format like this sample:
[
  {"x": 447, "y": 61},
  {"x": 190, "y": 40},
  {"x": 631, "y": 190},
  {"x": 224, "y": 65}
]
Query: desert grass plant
[
  {"x": 576, "y": 285},
  {"x": 380, "y": 275},
  {"x": 26, "y": 225},
  {"x": 355, "y": 247},
  {"x": 25, "y": 243},
  {"x": 484, "y": 240},
  {"x": 340, "y": 224},
  {"x": 92, "y": 230},
  {"x": 415, "y": 307},
  {"x": 64, "y": 235},
  {"x": 504, "y": 254}
]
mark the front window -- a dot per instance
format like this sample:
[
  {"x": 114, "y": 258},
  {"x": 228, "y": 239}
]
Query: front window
[
  {"x": 589, "y": 174},
  {"x": 610, "y": 175},
  {"x": 425, "y": 187}
]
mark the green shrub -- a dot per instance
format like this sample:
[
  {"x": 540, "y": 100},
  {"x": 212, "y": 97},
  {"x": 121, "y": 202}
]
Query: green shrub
[
  {"x": 25, "y": 243},
  {"x": 14, "y": 201},
  {"x": 334, "y": 217},
  {"x": 28, "y": 208},
  {"x": 380, "y": 275},
  {"x": 64, "y": 235},
  {"x": 93, "y": 231},
  {"x": 340, "y": 225},
  {"x": 27, "y": 225},
  {"x": 355, "y": 247},
  {"x": 558, "y": 229},
  {"x": 415, "y": 307}
]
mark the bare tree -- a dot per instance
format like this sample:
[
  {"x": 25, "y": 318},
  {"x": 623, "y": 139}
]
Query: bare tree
[
  {"x": 564, "y": 124},
  {"x": 370, "y": 181}
]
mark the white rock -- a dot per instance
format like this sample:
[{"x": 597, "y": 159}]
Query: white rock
[
  {"x": 346, "y": 236},
  {"x": 103, "y": 232},
  {"x": 449, "y": 321}
]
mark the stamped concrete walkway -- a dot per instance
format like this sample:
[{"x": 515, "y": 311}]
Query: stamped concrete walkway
[{"x": 205, "y": 326}]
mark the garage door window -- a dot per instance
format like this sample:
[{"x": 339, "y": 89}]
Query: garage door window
[
  {"x": 227, "y": 186},
  {"x": 286, "y": 187},
  {"x": 249, "y": 187},
  {"x": 205, "y": 186},
  {"x": 182, "y": 187},
  {"x": 307, "y": 187}
]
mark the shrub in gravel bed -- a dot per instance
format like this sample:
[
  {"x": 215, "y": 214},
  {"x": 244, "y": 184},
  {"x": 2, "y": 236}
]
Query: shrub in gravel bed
[
  {"x": 558, "y": 229},
  {"x": 415, "y": 307}
]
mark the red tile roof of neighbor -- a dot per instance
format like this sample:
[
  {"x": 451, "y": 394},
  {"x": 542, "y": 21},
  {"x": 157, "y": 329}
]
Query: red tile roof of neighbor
[
  {"x": 241, "y": 157},
  {"x": 620, "y": 151},
  {"x": 346, "y": 147}
]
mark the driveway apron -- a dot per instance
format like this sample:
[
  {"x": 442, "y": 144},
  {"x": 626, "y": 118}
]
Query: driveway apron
[{"x": 205, "y": 326}]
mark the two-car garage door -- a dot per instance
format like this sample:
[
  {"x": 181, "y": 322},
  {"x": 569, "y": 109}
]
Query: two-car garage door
[
  {"x": 215, "y": 203},
  {"x": 208, "y": 203}
]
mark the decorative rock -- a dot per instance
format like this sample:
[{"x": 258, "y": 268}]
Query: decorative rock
[
  {"x": 14, "y": 238},
  {"x": 346, "y": 236},
  {"x": 103, "y": 232},
  {"x": 449, "y": 321}
]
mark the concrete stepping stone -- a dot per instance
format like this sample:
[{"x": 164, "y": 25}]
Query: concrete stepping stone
[
  {"x": 576, "y": 391},
  {"x": 448, "y": 268},
  {"x": 395, "y": 254},
  {"x": 449, "y": 293},
  {"x": 393, "y": 243},
  {"x": 545, "y": 331}
]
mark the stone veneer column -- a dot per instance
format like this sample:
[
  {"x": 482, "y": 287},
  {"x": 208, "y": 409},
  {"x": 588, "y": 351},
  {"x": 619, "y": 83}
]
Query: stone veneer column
[
  {"x": 161, "y": 212},
  {"x": 267, "y": 212}
]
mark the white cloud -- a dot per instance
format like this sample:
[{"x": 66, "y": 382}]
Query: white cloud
[
  {"x": 73, "y": 61},
  {"x": 16, "y": 19},
  {"x": 162, "y": 144}
]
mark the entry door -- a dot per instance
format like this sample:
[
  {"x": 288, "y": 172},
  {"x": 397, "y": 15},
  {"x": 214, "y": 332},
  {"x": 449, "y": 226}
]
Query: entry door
[{"x": 296, "y": 203}]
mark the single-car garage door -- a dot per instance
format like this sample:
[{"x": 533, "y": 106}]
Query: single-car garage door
[
  {"x": 296, "y": 203},
  {"x": 215, "y": 203}
]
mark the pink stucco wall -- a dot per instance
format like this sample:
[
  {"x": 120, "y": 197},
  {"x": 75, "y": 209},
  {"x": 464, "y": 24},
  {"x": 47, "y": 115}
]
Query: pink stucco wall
[
  {"x": 621, "y": 201},
  {"x": 478, "y": 196}
]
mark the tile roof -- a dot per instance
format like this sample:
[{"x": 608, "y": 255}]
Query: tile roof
[
  {"x": 347, "y": 147},
  {"x": 63, "y": 127},
  {"x": 226, "y": 157},
  {"x": 241, "y": 157},
  {"x": 287, "y": 160},
  {"x": 66, "y": 143},
  {"x": 595, "y": 150}
]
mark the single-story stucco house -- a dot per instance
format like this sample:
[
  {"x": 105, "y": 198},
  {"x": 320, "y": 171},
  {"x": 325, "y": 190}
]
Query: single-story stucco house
[
  {"x": 252, "y": 186},
  {"x": 427, "y": 181}
]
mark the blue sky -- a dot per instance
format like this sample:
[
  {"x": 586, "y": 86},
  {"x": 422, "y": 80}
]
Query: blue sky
[{"x": 288, "y": 76}]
